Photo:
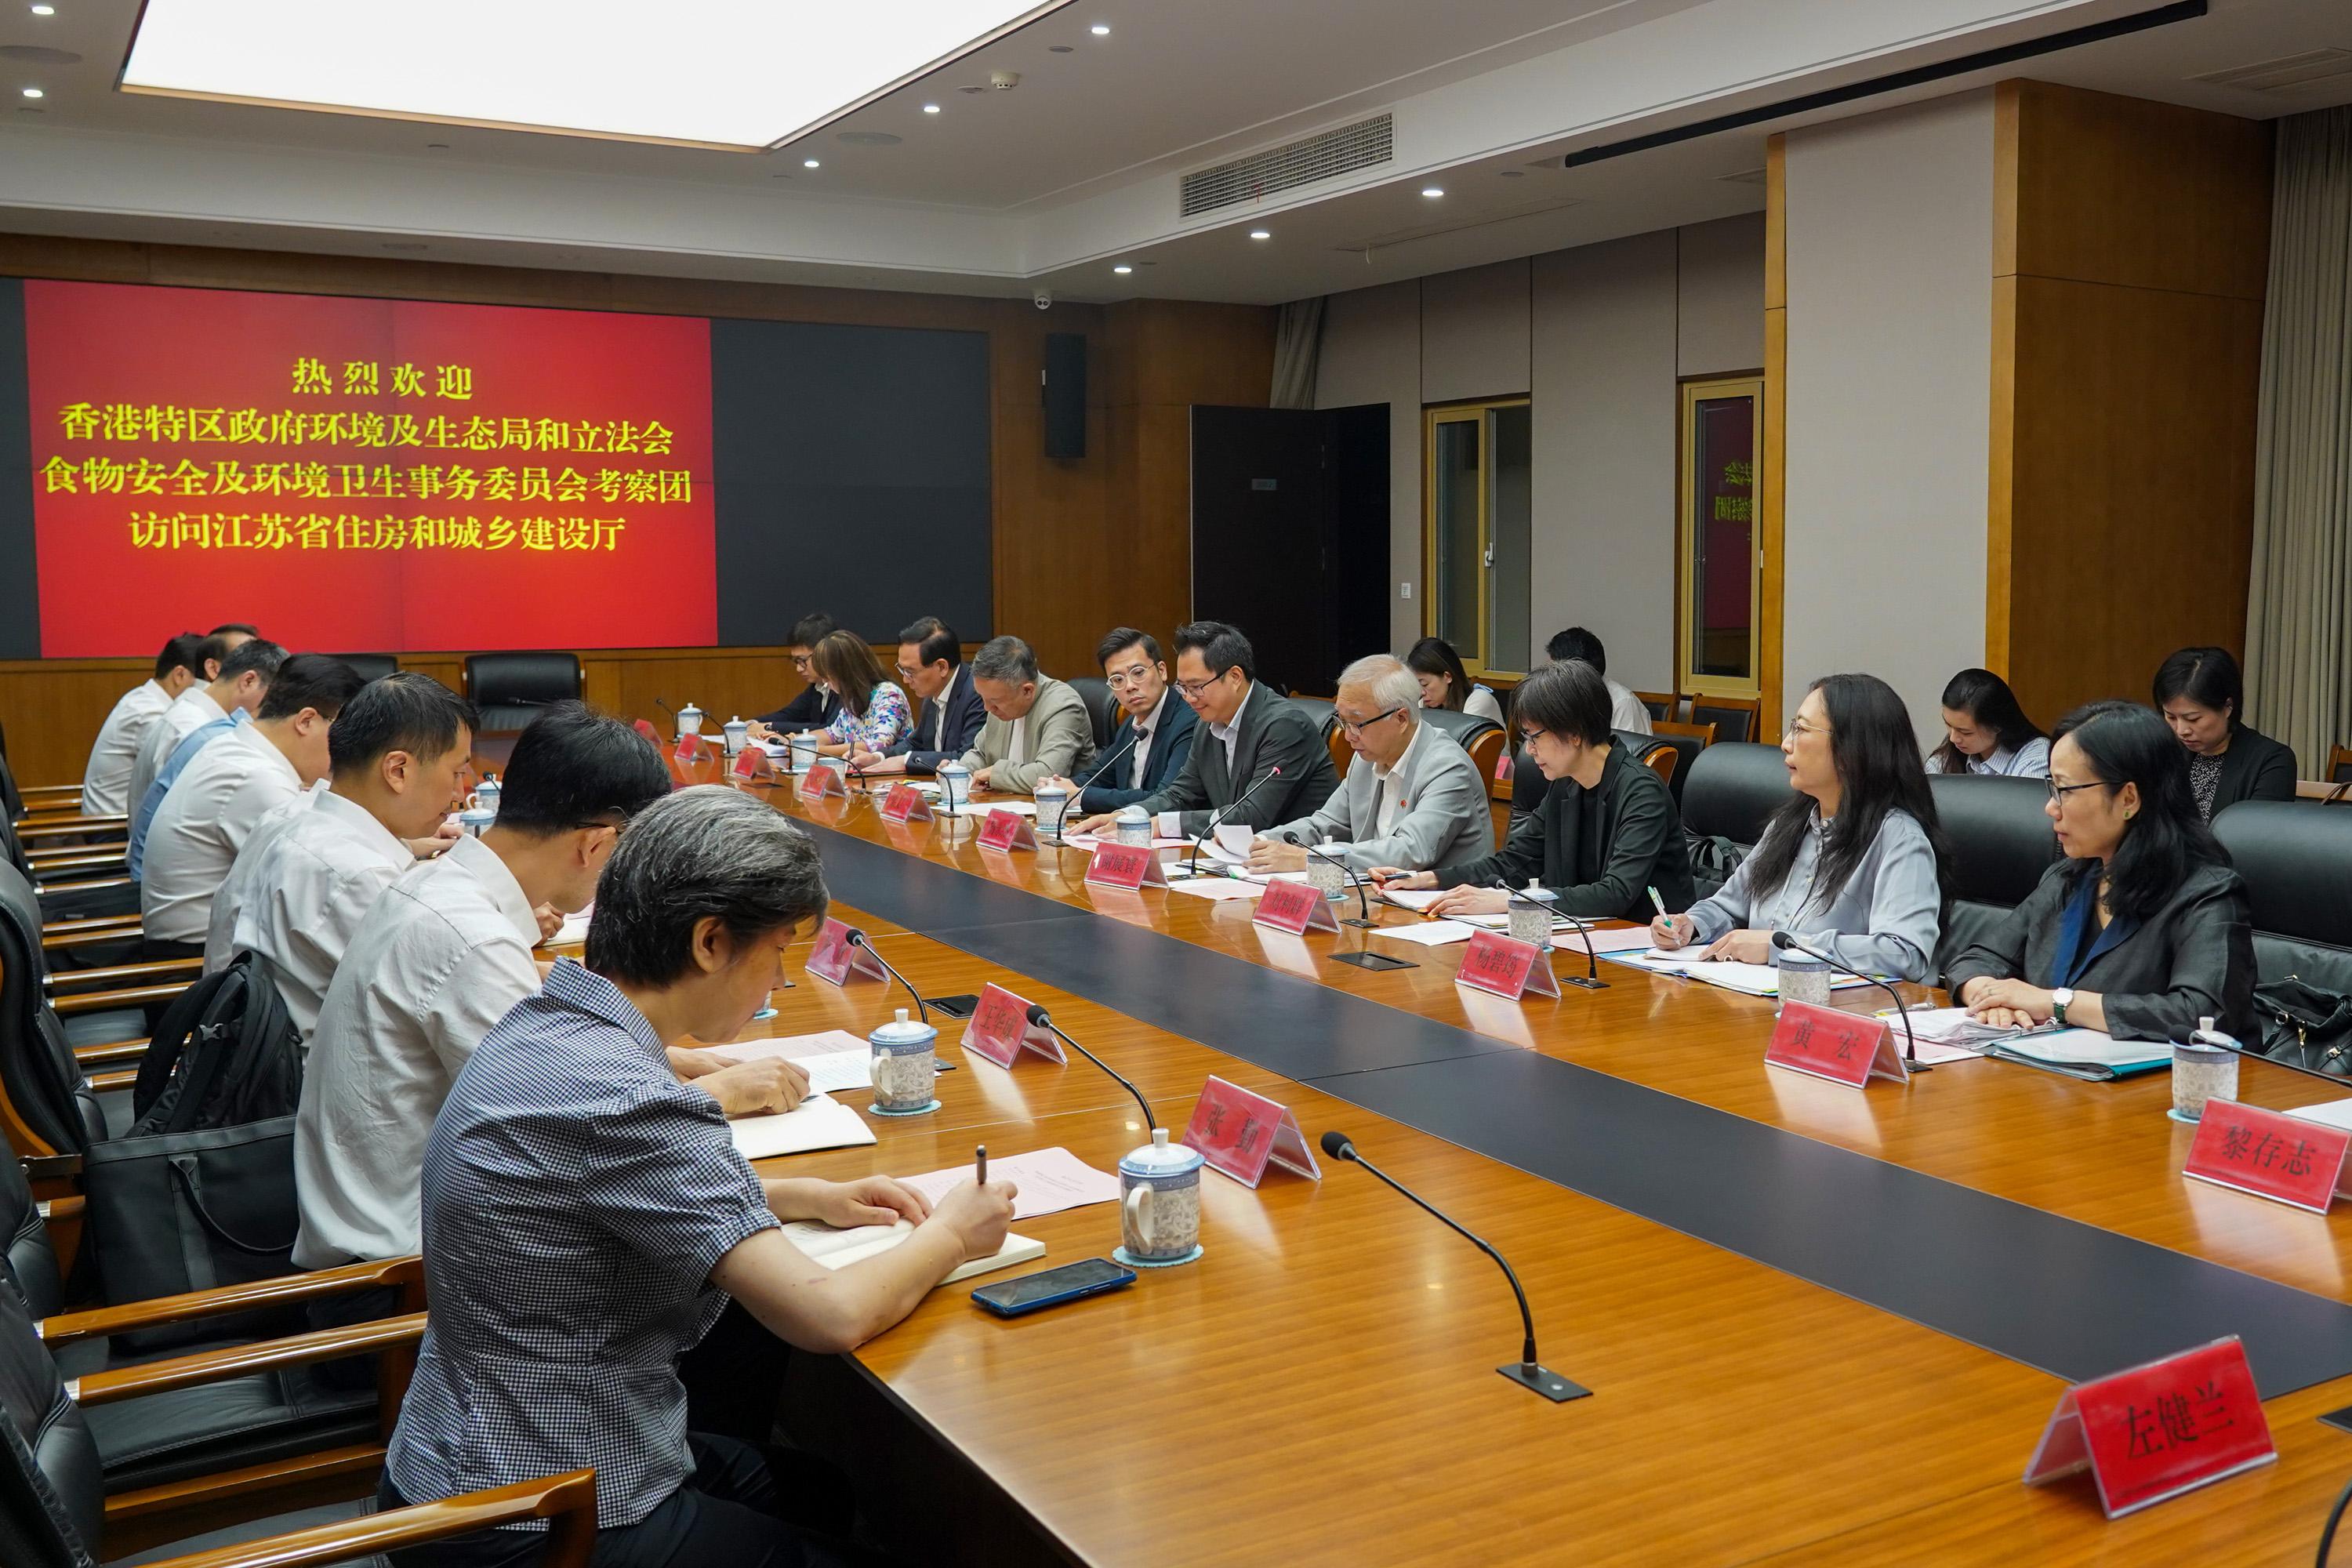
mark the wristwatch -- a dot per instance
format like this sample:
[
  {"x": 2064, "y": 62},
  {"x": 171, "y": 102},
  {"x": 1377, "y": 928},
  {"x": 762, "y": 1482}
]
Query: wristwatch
[{"x": 2060, "y": 1000}]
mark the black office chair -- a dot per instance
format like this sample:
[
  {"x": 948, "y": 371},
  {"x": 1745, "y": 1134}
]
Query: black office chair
[
  {"x": 48, "y": 1095},
  {"x": 1465, "y": 728},
  {"x": 371, "y": 666},
  {"x": 1734, "y": 718},
  {"x": 2296, "y": 858},
  {"x": 509, "y": 689},
  {"x": 1326, "y": 717},
  {"x": 1685, "y": 748},
  {"x": 2001, "y": 843},
  {"x": 1732, "y": 791},
  {"x": 1102, "y": 708}
]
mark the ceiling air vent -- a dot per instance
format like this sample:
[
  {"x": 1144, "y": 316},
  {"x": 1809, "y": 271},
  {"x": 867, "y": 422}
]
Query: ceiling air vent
[
  {"x": 1300, "y": 163},
  {"x": 2285, "y": 74}
]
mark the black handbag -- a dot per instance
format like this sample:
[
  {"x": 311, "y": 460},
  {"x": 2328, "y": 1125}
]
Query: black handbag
[
  {"x": 194, "y": 1211},
  {"x": 2305, "y": 1026}
]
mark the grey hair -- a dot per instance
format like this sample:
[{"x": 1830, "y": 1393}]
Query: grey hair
[
  {"x": 704, "y": 851},
  {"x": 1394, "y": 685},
  {"x": 1004, "y": 658}
]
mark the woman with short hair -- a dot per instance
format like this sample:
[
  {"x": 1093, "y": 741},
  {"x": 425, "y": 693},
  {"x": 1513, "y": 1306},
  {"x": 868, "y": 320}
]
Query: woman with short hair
[
  {"x": 1986, "y": 731},
  {"x": 1852, "y": 863},
  {"x": 586, "y": 1217},
  {"x": 2202, "y": 696},
  {"x": 2142, "y": 928}
]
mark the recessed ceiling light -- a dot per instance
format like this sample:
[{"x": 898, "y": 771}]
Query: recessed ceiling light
[
  {"x": 34, "y": 92},
  {"x": 44, "y": 10},
  {"x": 809, "y": 163},
  {"x": 1261, "y": 234},
  {"x": 930, "y": 109},
  {"x": 764, "y": 75},
  {"x": 1122, "y": 269},
  {"x": 1433, "y": 191},
  {"x": 1100, "y": 30}
]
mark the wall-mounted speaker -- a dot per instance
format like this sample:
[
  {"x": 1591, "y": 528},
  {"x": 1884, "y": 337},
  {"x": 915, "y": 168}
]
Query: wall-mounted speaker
[{"x": 1064, "y": 379}]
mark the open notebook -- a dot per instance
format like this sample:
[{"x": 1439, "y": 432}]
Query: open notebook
[{"x": 840, "y": 1248}]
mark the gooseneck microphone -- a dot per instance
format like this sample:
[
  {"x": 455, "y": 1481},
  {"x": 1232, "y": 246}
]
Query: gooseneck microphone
[
  {"x": 1528, "y": 1372},
  {"x": 1039, "y": 1017},
  {"x": 859, "y": 938},
  {"x": 1193, "y": 865},
  {"x": 1591, "y": 981},
  {"x": 1788, "y": 943},
  {"x": 1103, "y": 762}
]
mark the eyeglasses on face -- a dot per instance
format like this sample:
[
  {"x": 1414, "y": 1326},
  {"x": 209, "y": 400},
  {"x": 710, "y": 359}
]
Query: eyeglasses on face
[
  {"x": 1133, "y": 675},
  {"x": 1194, "y": 687},
  {"x": 1798, "y": 730},
  {"x": 1358, "y": 726},
  {"x": 2058, "y": 792}
]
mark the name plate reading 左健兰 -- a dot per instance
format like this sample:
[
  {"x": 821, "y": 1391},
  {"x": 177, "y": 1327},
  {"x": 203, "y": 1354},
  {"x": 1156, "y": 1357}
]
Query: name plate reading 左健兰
[
  {"x": 1007, "y": 831},
  {"x": 1295, "y": 907},
  {"x": 2284, "y": 1158},
  {"x": 1843, "y": 1047},
  {"x": 2159, "y": 1429},
  {"x": 999, "y": 1030},
  {"x": 1128, "y": 866},
  {"x": 1507, "y": 967},
  {"x": 836, "y": 958},
  {"x": 1241, "y": 1133}
]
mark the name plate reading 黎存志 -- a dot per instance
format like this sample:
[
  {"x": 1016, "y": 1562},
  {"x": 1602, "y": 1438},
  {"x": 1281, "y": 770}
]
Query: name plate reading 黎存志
[
  {"x": 1843, "y": 1047},
  {"x": 905, "y": 802},
  {"x": 2159, "y": 1430},
  {"x": 836, "y": 958},
  {"x": 1295, "y": 907},
  {"x": 1507, "y": 967},
  {"x": 2284, "y": 1158},
  {"x": 821, "y": 780},
  {"x": 1000, "y": 1030},
  {"x": 1006, "y": 830},
  {"x": 1241, "y": 1133},
  {"x": 1128, "y": 866}
]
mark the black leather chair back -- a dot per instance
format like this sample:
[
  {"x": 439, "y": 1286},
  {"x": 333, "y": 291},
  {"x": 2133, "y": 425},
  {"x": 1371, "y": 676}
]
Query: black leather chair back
[
  {"x": 1465, "y": 728},
  {"x": 30, "y": 1263},
  {"x": 42, "y": 1083},
  {"x": 1999, "y": 833},
  {"x": 1733, "y": 789},
  {"x": 1685, "y": 748},
  {"x": 1320, "y": 709},
  {"x": 2296, "y": 858},
  {"x": 1737, "y": 724},
  {"x": 52, "y": 1486},
  {"x": 12, "y": 799},
  {"x": 1102, "y": 708},
  {"x": 371, "y": 666},
  {"x": 507, "y": 690}
]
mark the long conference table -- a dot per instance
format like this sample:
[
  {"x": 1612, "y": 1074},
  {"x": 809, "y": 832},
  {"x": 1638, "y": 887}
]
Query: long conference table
[{"x": 1821, "y": 1324}]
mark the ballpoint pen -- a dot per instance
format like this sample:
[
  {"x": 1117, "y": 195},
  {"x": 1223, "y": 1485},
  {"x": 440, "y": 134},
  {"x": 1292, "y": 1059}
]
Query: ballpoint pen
[{"x": 979, "y": 1158}]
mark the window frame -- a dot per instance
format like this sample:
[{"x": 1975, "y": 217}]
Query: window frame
[
  {"x": 1475, "y": 411},
  {"x": 1691, "y": 392}
]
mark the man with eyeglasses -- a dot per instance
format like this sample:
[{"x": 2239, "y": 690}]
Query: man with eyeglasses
[
  {"x": 814, "y": 709},
  {"x": 1413, "y": 797},
  {"x": 1155, "y": 730},
  {"x": 931, "y": 670},
  {"x": 1262, "y": 760}
]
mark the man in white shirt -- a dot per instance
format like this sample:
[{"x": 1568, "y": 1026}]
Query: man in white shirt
[
  {"x": 106, "y": 777},
  {"x": 444, "y": 954},
  {"x": 397, "y": 756},
  {"x": 240, "y": 679},
  {"x": 225, "y": 794},
  {"x": 1625, "y": 709}
]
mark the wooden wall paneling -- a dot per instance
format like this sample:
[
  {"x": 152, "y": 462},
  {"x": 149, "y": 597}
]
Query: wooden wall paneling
[{"x": 1772, "y": 530}]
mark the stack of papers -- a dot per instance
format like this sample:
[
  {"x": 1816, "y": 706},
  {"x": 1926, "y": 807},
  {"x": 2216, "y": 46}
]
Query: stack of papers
[
  {"x": 840, "y": 1248},
  {"x": 2082, "y": 1052},
  {"x": 1749, "y": 979},
  {"x": 834, "y": 1059},
  {"x": 819, "y": 1122},
  {"x": 982, "y": 807}
]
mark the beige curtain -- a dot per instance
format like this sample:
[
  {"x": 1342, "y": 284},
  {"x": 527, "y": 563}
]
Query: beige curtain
[
  {"x": 1297, "y": 343},
  {"x": 2299, "y": 608}
]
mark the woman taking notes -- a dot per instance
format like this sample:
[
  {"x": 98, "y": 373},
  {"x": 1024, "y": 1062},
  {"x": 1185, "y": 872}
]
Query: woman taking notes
[
  {"x": 1852, "y": 863},
  {"x": 2143, "y": 929},
  {"x": 2199, "y": 694},
  {"x": 1445, "y": 684},
  {"x": 873, "y": 711},
  {"x": 1607, "y": 830},
  {"x": 1985, "y": 731}
]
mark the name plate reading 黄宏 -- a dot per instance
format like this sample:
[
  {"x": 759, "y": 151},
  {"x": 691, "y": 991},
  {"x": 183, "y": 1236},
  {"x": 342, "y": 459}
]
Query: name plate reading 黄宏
[
  {"x": 1507, "y": 967},
  {"x": 1240, "y": 1134},
  {"x": 2284, "y": 1158},
  {"x": 1843, "y": 1047},
  {"x": 2157, "y": 1430},
  {"x": 1000, "y": 1030}
]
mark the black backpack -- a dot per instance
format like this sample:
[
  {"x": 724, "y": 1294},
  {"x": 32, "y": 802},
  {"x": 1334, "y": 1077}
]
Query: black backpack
[{"x": 227, "y": 1054}]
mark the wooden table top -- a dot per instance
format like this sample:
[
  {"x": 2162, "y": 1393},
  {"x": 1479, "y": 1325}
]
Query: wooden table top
[{"x": 1330, "y": 1363}]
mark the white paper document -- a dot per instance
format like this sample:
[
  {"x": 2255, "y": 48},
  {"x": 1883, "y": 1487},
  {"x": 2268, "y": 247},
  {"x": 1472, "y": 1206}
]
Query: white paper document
[
  {"x": 982, "y": 807},
  {"x": 1049, "y": 1180},
  {"x": 834, "y": 1059},
  {"x": 1627, "y": 939},
  {"x": 1429, "y": 933},
  {"x": 840, "y": 1248},
  {"x": 2328, "y": 1113},
  {"x": 819, "y": 1122},
  {"x": 1748, "y": 979},
  {"x": 1218, "y": 887}
]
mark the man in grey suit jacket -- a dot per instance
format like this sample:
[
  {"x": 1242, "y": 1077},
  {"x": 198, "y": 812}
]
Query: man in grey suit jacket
[
  {"x": 1037, "y": 727},
  {"x": 1413, "y": 797},
  {"x": 1249, "y": 736}
]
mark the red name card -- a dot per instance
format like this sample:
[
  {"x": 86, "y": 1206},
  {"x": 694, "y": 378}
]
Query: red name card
[
  {"x": 1007, "y": 831},
  {"x": 1000, "y": 1030},
  {"x": 648, "y": 732},
  {"x": 1295, "y": 907},
  {"x": 819, "y": 781},
  {"x": 1507, "y": 967},
  {"x": 689, "y": 748},
  {"x": 905, "y": 802},
  {"x": 751, "y": 763},
  {"x": 1241, "y": 1133},
  {"x": 1129, "y": 866},
  {"x": 836, "y": 958},
  {"x": 1843, "y": 1047},
  {"x": 2270, "y": 1155},
  {"x": 2159, "y": 1430}
]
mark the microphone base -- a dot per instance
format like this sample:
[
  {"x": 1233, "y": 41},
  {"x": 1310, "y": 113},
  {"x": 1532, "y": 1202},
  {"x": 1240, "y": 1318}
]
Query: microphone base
[
  {"x": 1372, "y": 960},
  {"x": 1585, "y": 985},
  {"x": 1544, "y": 1381},
  {"x": 1361, "y": 925}
]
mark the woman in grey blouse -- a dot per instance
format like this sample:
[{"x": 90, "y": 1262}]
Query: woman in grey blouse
[{"x": 1852, "y": 864}]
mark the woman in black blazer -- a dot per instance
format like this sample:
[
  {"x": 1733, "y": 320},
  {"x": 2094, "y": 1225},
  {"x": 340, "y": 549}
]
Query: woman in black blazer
[
  {"x": 2201, "y": 696},
  {"x": 1605, "y": 832},
  {"x": 2142, "y": 930}
]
